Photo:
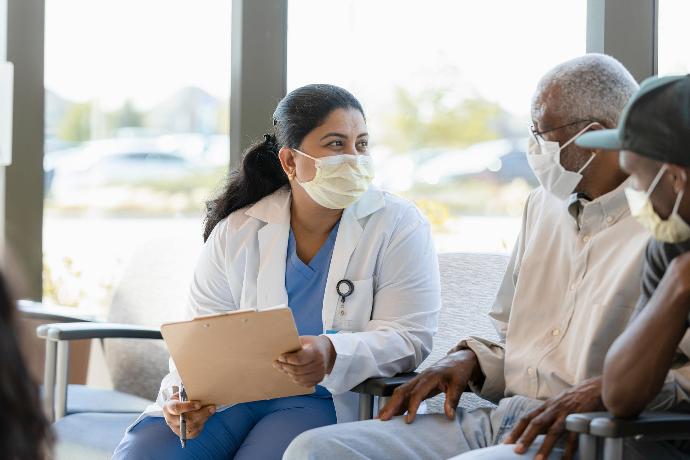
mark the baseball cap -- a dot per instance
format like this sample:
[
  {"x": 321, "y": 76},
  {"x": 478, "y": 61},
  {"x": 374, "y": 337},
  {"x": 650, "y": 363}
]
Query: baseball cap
[{"x": 655, "y": 123}]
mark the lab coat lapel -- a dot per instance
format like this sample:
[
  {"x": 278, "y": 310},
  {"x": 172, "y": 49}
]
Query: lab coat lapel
[
  {"x": 270, "y": 282},
  {"x": 349, "y": 233},
  {"x": 274, "y": 210}
]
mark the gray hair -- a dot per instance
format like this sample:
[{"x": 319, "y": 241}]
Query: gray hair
[{"x": 593, "y": 86}]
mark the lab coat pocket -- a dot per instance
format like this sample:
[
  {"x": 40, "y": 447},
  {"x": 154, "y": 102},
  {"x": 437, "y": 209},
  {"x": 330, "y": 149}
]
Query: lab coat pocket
[{"x": 356, "y": 312}]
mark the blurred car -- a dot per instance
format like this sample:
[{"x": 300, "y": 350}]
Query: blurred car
[
  {"x": 502, "y": 159},
  {"x": 113, "y": 163},
  {"x": 396, "y": 172}
]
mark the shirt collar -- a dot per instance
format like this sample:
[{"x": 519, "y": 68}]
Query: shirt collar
[
  {"x": 608, "y": 208},
  {"x": 576, "y": 202}
]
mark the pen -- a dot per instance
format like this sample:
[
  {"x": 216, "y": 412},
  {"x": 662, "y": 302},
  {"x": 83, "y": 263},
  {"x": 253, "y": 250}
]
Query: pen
[{"x": 183, "y": 422}]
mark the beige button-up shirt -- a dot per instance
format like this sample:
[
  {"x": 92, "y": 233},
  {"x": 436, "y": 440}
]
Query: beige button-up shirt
[{"x": 569, "y": 290}]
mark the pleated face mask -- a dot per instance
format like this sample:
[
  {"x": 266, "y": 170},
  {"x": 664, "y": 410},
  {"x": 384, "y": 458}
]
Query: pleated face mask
[
  {"x": 340, "y": 180},
  {"x": 672, "y": 230},
  {"x": 545, "y": 160}
]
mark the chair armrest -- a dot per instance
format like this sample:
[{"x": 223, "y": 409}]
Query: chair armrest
[
  {"x": 579, "y": 423},
  {"x": 37, "y": 310},
  {"x": 383, "y": 386},
  {"x": 654, "y": 424},
  {"x": 78, "y": 331}
]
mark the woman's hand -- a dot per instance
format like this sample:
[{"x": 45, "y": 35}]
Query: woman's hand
[
  {"x": 308, "y": 366},
  {"x": 195, "y": 415}
]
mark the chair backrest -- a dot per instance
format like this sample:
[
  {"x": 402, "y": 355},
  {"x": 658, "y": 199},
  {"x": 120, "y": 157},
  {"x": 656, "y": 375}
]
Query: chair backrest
[
  {"x": 469, "y": 282},
  {"x": 152, "y": 291},
  {"x": 155, "y": 285}
]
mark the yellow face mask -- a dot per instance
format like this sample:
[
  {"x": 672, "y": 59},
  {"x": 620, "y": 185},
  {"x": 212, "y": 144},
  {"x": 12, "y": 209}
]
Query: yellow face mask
[
  {"x": 340, "y": 180},
  {"x": 672, "y": 230}
]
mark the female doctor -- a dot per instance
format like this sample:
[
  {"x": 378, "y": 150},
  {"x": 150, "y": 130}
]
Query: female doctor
[{"x": 300, "y": 224}]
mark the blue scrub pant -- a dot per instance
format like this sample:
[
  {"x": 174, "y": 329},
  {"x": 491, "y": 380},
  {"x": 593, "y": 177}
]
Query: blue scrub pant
[{"x": 256, "y": 430}]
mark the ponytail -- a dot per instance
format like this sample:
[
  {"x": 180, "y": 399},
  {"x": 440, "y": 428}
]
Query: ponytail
[{"x": 259, "y": 175}]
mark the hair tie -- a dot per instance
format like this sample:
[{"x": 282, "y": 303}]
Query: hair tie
[{"x": 271, "y": 141}]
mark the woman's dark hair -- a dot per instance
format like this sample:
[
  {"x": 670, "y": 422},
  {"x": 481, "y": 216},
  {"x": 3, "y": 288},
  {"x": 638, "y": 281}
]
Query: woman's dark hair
[
  {"x": 261, "y": 173},
  {"x": 24, "y": 431}
]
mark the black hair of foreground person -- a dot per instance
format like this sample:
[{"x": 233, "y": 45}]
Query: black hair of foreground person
[
  {"x": 260, "y": 173},
  {"x": 24, "y": 431}
]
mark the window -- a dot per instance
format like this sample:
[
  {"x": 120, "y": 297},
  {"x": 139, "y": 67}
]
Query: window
[
  {"x": 137, "y": 121},
  {"x": 674, "y": 37},
  {"x": 446, "y": 85}
]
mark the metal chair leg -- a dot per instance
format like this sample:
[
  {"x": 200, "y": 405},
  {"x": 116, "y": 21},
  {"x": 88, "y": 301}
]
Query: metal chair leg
[
  {"x": 62, "y": 377},
  {"x": 588, "y": 447},
  {"x": 49, "y": 380},
  {"x": 366, "y": 406},
  {"x": 613, "y": 449}
]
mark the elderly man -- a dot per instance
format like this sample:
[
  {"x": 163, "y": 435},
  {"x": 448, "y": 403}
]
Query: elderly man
[{"x": 568, "y": 292}]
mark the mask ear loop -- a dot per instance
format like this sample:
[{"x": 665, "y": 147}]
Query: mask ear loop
[
  {"x": 656, "y": 180},
  {"x": 679, "y": 198},
  {"x": 572, "y": 139},
  {"x": 591, "y": 159},
  {"x": 302, "y": 153}
]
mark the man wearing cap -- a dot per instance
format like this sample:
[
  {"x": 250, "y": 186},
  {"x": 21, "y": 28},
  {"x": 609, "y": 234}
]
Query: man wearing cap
[
  {"x": 569, "y": 290},
  {"x": 654, "y": 140}
]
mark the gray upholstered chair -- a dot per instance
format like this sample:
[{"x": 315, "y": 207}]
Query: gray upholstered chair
[
  {"x": 469, "y": 283},
  {"x": 89, "y": 422}
]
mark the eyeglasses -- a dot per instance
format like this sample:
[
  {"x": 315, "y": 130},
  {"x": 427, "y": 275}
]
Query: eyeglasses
[{"x": 538, "y": 134}]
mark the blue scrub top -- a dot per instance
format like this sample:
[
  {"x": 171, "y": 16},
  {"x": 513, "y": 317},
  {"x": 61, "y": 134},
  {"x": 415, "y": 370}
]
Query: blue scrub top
[{"x": 305, "y": 285}]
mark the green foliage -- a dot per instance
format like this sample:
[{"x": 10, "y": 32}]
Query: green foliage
[
  {"x": 432, "y": 119},
  {"x": 127, "y": 117},
  {"x": 76, "y": 124}
]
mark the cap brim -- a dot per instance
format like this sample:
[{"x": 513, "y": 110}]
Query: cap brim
[{"x": 605, "y": 139}]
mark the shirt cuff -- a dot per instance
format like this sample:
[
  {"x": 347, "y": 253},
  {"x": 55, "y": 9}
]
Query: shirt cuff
[
  {"x": 490, "y": 359},
  {"x": 343, "y": 358}
]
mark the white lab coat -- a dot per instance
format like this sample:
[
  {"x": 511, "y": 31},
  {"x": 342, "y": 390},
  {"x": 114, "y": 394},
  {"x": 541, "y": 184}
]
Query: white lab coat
[{"x": 383, "y": 246}]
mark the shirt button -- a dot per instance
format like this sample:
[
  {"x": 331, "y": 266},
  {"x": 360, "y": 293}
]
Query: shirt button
[
  {"x": 609, "y": 219},
  {"x": 572, "y": 287},
  {"x": 530, "y": 371},
  {"x": 585, "y": 238},
  {"x": 555, "y": 332}
]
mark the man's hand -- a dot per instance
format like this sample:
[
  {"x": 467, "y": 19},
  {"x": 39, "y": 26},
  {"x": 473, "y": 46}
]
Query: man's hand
[
  {"x": 308, "y": 366},
  {"x": 449, "y": 375},
  {"x": 549, "y": 419}
]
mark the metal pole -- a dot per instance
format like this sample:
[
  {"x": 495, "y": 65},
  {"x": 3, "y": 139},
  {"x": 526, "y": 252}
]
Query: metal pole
[{"x": 258, "y": 69}]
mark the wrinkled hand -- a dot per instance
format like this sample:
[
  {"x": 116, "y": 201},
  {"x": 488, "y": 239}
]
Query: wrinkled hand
[
  {"x": 308, "y": 366},
  {"x": 195, "y": 415},
  {"x": 449, "y": 375},
  {"x": 549, "y": 419}
]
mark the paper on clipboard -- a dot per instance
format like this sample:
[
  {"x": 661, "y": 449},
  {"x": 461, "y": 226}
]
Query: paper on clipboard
[{"x": 228, "y": 358}]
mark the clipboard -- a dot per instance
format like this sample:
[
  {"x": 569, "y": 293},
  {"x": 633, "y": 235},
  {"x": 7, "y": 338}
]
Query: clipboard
[{"x": 228, "y": 358}]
